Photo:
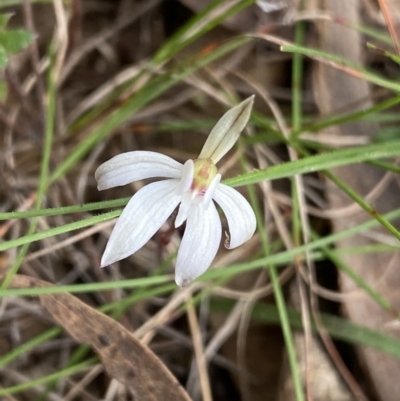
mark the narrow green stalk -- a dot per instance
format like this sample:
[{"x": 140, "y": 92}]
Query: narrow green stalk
[
  {"x": 143, "y": 291},
  {"x": 361, "y": 283},
  {"x": 278, "y": 294},
  {"x": 386, "y": 166},
  {"x": 198, "y": 26},
  {"x": 9, "y": 3},
  {"x": 26, "y": 347},
  {"x": 297, "y": 113},
  {"x": 346, "y": 118},
  {"x": 57, "y": 211},
  {"x": 29, "y": 238},
  {"x": 365, "y": 205},
  {"x": 297, "y": 79},
  {"x": 346, "y": 65},
  {"x": 45, "y": 379},
  {"x": 314, "y": 163},
  {"x": 88, "y": 287},
  {"x": 287, "y": 332}
]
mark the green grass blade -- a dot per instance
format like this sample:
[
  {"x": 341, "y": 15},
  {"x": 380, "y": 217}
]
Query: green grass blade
[
  {"x": 319, "y": 162},
  {"x": 345, "y": 65},
  {"x": 58, "y": 211}
]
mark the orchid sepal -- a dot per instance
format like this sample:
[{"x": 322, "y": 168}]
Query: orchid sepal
[{"x": 227, "y": 130}]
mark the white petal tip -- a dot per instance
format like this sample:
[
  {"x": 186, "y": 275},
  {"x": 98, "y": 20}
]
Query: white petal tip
[
  {"x": 179, "y": 221},
  {"x": 104, "y": 263},
  {"x": 182, "y": 282},
  {"x": 248, "y": 103},
  {"x": 250, "y": 98},
  {"x": 241, "y": 219},
  {"x": 109, "y": 258}
]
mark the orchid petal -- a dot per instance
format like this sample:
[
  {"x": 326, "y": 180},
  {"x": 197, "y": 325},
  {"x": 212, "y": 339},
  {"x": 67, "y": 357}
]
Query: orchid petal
[
  {"x": 269, "y": 6},
  {"x": 144, "y": 214},
  {"x": 241, "y": 218},
  {"x": 187, "y": 201},
  {"x": 211, "y": 190},
  {"x": 187, "y": 177},
  {"x": 227, "y": 130},
  {"x": 138, "y": 165},
  {"x": 199, "y": 244}
]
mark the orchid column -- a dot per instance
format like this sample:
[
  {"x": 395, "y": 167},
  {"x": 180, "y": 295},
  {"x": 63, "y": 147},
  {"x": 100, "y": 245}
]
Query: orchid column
[{"x": 193, "y": 186}]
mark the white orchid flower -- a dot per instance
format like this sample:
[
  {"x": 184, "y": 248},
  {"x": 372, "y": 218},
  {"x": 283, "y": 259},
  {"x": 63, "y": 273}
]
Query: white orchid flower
[{"x": 193, "y": 186}]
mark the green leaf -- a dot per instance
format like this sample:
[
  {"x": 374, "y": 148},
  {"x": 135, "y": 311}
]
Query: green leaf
[{"x": 15, "y": 40}]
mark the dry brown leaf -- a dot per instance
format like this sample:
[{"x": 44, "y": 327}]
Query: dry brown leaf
[
  {"x": 124, "y": 357},
  {"x": 336, "y": 91}
]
